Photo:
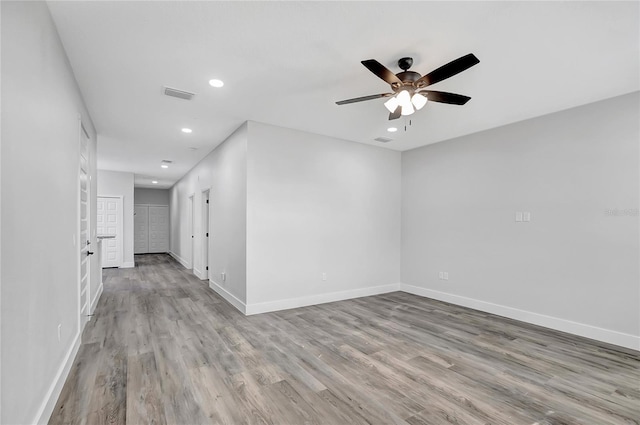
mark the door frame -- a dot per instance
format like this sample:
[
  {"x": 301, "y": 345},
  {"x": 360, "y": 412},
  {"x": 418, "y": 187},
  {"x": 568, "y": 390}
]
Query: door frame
[
  {"x": 192, "y": 222},
  {"x": 120, "y": 227},
  {"x": 205, "y": 231},
  {"x": 83, "y": 319}
]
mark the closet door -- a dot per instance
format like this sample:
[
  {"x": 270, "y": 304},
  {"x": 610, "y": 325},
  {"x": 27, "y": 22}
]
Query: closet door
[
  {"x": 158, "y": 229},
  {"x": 140, "y": 229}
]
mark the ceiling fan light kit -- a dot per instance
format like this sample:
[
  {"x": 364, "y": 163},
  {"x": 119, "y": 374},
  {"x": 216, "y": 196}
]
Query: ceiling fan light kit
[{"x": 408, "y": 96}]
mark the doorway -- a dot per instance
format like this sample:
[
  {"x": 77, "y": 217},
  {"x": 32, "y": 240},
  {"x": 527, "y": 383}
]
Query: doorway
[{"x": 205, "y": 235}]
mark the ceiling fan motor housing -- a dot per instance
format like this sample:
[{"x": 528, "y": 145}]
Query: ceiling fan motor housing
[{"x": 408, "y": 79}]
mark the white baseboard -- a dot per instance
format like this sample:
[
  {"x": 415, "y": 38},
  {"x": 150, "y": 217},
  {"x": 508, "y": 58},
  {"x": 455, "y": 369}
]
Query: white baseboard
[
  {"x": 232, "y": 299},
  {"x": 128, "y": 265},
  {"x": 286, "y": 304},
  {"x": 575, "y": 328},
  {"x": 197, "y": 273},
  {"x": 95, "y": 300},
  {"x": 180, "y": 260},
  {"x": 49, "y": 403}
]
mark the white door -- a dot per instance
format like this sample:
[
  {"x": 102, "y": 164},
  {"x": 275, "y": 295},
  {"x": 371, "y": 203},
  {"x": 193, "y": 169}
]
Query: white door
[
  {"x": 140, "y": 229},
  {"x": 85, "y": 230},
  {"x": 205, "y": 235},
  {"x": 158, "y": 228},
  {"x": 110, "y": 224}
]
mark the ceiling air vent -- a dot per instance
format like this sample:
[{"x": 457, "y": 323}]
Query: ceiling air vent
[
  {"x": 180, "y": 94},
  {"x": 383, "y": 139}
]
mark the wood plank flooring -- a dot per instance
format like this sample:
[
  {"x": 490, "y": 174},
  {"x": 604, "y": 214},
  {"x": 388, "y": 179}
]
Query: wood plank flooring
[{"x": 163, "y": 348}]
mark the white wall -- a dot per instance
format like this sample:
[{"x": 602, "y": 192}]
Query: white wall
[
  {"x": 39, "y": 216},
  {"x": 288, "y": 206},
  {"x": 151, "y": 196},
  {"x": 319, "y": 205},
  {"x": 116, "y": 183},
  {"x": 224, "y": 173},
  {"x": 574, "y": 267}
]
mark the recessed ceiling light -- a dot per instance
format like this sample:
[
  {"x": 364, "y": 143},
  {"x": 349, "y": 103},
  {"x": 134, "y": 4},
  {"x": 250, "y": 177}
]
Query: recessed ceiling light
[
  {"x": 186, "y": 130},
  {"x": 164, "y": 166},
  {"x": 216, "y": 83},
  {"x": 154, "y": 181},
  {"x": 392, "y": 129}
]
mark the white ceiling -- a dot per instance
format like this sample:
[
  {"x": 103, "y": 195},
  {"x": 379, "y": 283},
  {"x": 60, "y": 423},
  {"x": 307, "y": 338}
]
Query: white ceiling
[{"x": 286, "y": 63}]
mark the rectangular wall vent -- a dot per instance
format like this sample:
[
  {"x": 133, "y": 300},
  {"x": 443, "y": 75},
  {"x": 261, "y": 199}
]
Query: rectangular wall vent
[
  {"x": 383, "y": 139},
  {"x": 180, "y": 94}
]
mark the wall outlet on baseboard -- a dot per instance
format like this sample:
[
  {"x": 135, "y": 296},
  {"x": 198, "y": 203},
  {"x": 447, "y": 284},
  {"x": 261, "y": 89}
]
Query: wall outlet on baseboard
[
  {"x": 223, "y": 275},
  {"x": 59, "y": 331}
]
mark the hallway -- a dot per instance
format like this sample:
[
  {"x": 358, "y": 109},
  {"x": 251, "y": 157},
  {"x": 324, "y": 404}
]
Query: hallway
[{"x": 163, "y": 348}]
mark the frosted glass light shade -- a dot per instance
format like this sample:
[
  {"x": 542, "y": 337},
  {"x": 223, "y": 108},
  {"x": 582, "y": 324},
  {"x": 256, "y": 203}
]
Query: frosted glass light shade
[
  {"x": 404, "y": 99},
  {"x": 407, "y": 109},
  {"x": 391, "y": 104},
  {"x": 419, "y": 101}
]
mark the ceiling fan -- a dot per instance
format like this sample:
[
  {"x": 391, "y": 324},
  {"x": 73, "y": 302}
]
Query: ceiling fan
[{"x": 408, "y": 96}]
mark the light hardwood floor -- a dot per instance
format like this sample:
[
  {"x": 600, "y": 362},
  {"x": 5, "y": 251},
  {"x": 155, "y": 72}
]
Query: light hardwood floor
[{"x": 163, "y": 348}]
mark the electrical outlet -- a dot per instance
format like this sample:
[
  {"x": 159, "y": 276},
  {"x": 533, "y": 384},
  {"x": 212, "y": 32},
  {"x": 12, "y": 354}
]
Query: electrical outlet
[
  {"x": 324, "y": 276},
  {"x": 59, "y": 331},
  {"x": 223, "y": 275}
]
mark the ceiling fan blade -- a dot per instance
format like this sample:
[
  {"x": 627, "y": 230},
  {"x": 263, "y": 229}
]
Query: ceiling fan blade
[
  {"x": 445, "y": 97},
  {"x": 381, "y": 71},
  {"x": 449, "y": 70},
  {"x": 395, "y": 114},
  {"x": 363, "y": 98}
]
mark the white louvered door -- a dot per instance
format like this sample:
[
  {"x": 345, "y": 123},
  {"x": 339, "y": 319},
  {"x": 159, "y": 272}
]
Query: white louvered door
[
  {"x": 140, "y": 229},
  {"x": 158, "y": 229}
]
